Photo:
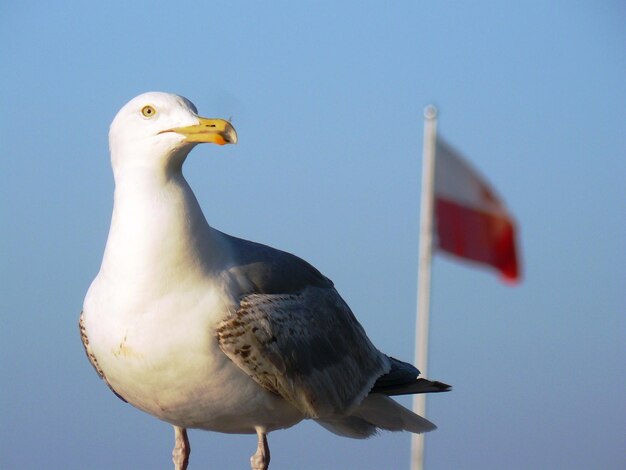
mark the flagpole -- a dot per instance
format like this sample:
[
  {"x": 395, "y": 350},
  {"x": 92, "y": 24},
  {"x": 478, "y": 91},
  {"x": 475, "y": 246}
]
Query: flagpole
[{"x": 423, "y": 276}]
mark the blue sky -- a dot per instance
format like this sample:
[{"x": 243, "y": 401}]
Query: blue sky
[{"x": 327, "y": 98}]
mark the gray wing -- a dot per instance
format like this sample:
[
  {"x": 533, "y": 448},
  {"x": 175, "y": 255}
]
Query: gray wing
[
  {"x": 305, "y": 346},
  {"x": 260, "y": 269}
]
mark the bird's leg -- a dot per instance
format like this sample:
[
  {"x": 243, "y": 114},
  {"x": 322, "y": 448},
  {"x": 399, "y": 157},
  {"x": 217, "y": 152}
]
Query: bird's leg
[
  {"x": 180, "y": 454},
  {"x": 261, "y": 460}
]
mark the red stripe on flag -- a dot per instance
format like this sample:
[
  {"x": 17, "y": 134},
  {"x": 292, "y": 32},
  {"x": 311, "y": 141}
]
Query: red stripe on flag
[{"x": 487, "y": 238}]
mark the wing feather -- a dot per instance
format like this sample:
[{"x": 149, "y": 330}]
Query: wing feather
[{"x": 305, "y": 346}]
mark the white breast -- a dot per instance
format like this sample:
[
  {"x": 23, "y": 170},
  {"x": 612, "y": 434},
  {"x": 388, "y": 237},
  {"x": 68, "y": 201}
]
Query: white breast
[{"x": 158, "y": 363}]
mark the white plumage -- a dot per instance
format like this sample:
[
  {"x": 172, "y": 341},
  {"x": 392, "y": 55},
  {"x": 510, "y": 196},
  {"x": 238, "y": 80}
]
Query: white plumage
[{"x": 204, "y": 330}]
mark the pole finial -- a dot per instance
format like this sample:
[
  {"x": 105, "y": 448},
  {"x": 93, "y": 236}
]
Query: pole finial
[{"x": 430, "y": 112}]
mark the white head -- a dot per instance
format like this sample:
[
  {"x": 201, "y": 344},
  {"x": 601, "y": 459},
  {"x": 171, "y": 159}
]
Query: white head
[{"x": 158, "y": 130}]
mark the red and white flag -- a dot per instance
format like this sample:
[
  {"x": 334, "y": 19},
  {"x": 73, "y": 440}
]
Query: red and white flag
[{"x": 470, "y": 220}]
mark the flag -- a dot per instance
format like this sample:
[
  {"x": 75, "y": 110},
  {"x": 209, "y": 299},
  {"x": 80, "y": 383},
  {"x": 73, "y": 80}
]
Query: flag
[{"x": 471, "y": 222}]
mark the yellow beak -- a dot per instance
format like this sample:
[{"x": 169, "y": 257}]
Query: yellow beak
[{"x": 216, "y": 131}]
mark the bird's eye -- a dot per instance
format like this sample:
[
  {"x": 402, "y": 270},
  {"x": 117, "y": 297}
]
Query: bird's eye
[{"x": 148, "y": 111}]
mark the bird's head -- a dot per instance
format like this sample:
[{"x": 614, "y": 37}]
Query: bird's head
[{"x": 157, "y": 131}]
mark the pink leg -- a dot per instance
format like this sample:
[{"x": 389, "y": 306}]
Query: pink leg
[
  {"x": 180, "y": 454},
  {"x": 261, "y": 459}
]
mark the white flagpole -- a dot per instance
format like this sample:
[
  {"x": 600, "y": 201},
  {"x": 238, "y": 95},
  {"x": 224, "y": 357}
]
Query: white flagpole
[{"x": 423, "y": 276}]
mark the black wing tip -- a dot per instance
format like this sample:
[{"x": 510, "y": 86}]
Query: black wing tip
[
  {"x": 442, "y": 387},
  {"x": 403, "y": 379},
  {"x": 412, "y": 388}
]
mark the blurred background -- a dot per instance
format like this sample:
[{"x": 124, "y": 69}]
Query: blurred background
[{"x": 327, "y": 98}]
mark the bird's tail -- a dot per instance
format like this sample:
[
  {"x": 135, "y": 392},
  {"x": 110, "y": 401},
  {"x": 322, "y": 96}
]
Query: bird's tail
[
  {"x": 375, "y": 412},
  {"x": 385, "y": 413},
  {"x": 378, "y": 411}
]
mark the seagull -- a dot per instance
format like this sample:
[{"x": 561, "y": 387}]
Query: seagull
[{"x": 207, "y": 331}]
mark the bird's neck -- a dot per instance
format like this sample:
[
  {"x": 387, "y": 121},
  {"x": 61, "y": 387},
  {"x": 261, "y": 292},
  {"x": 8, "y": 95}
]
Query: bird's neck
[{"x": 158, "y": 233}]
